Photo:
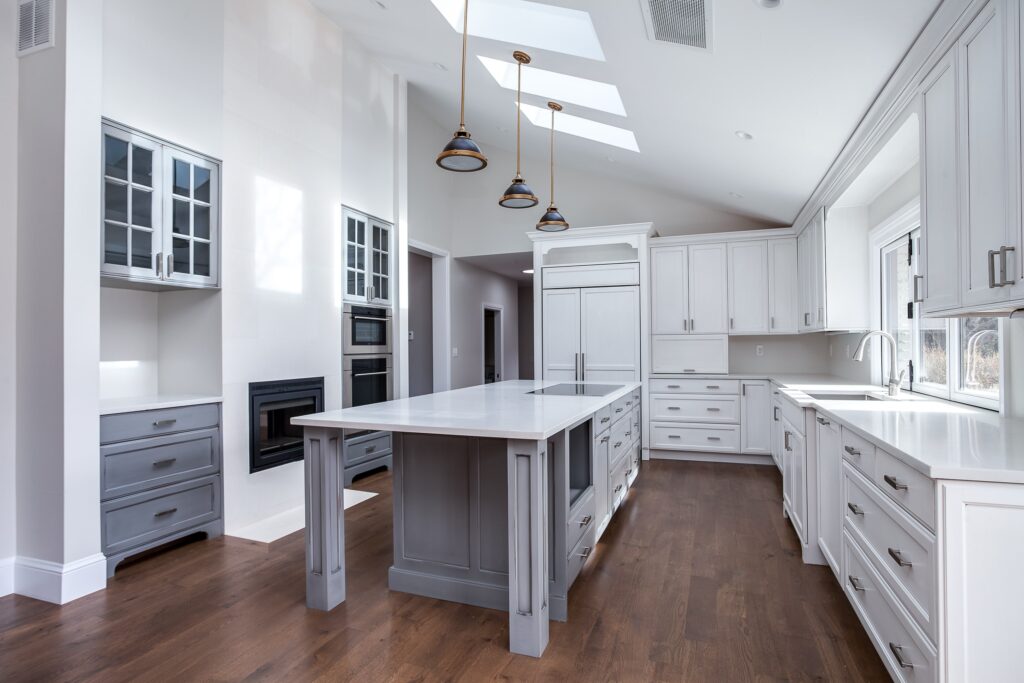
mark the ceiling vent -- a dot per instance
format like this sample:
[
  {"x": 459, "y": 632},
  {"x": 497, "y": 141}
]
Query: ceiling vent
[
  {"x": 35, "y": 26},
  {"x": 682, "y": 22}
]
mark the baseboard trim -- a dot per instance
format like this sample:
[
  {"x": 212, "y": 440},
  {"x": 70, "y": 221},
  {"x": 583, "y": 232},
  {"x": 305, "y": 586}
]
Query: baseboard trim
[
  {"x": 6, "y": 576},
  {"x": 59, "y": 583},
  {"x": 288, "y": 522},
  {"x": 734, "y": 458}
]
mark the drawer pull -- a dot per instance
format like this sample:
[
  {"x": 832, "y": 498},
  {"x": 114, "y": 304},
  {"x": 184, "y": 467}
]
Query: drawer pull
[
  {"x": 618, "y": 410},
  {"x": 617, "y": 444},
  {"x": 164, "y": 513},
  {"x": 855, "y": 509},
  {"x": 712, "y": 386},
  {"x": 165, "y": 462},
  {"x": 586, "y": 520},
  {"x": 897, "y": 556},
  {"x": 775, "y": 413},
  {"x": 166, "y": 422},
  {"x": 674, "y": 408},
  {"x": 604, "y": 439},
  {"x": 897, "y": 652},
  {"x": 605, "y": 419},
  {"x": 618, "y": 488},
  {"x": 689, "y": 370},
  {"x": 856, "y": 584},
  {"x": 851, "y": 450},
  {"x": 629, "y": 472},
  {"x": 714, "y": 438},
  {"x": 673, "y": 386},
  {"x": 674, "y": 436},
  {"x": 629, "y": 403},
  {"x": 370, "y": 449},
  {"x": 714, "y": 410},
  {"x": 895, "y": 483},
  {"x": 586, "y": 552},
  {"x": 823, "y": 421}
]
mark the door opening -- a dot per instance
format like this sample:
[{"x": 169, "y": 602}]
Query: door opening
[{"x": 492, "y": 344}]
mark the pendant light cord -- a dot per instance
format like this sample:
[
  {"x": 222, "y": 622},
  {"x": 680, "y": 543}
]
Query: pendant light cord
[
  {"x": 519, "y": 108},
  {"x": 552, "y": 157},
  {"x": 465, "y": 38}
]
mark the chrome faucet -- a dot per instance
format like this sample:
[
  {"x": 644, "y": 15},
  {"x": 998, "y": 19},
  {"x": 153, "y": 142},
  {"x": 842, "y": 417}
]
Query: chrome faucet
[{"x": 895, "y": 381}]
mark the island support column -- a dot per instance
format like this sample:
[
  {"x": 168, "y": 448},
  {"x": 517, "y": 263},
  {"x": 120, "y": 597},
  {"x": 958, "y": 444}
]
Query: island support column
[
  {"x": 325, "y": 518},
  {"x": 528, "y": 559}
]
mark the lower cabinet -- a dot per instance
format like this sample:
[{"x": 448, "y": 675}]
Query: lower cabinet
[
  {"x": 830, "y": 474},
  {"x": 794, "y": 477},
  {"x": 755, "y": 423},
  {"x": 160, "y": 478},
  {"x": 365, "y": 452}
]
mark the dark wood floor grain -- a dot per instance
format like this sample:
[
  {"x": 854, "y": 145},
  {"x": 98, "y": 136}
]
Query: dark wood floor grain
[{"x": 698, "y": 578}]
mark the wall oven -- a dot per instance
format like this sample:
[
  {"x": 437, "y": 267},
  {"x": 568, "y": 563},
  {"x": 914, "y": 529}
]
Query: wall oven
[
  {"x": 366, "y": 379},
  {"x": 366, "y": 330}
]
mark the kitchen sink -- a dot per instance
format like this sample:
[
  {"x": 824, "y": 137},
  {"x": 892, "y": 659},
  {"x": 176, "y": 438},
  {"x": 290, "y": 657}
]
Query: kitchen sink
[{"x": 846, "y": 397}]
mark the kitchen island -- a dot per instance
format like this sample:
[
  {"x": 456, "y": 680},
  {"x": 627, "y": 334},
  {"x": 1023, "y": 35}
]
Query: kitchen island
[{"x": 496, "y": 493}]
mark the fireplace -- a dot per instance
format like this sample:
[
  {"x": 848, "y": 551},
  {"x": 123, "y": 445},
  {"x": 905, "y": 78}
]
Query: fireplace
[{"x": 273, "y": 440}]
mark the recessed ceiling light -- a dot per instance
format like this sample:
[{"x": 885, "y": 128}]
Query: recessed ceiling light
[
  {"x": 736, "y": 195},
  {"x": 528, "y": 271},
  {"x": 768, "y": 4},
  {"x": 528, "y": 24},
  {"x": 581, "y": 91},
  {"x": 581, "y": 127},
  {"x": 744, "y": 135}
]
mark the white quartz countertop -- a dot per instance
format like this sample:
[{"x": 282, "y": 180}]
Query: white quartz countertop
[
  {"x": 504, "y": 410},
  {"x": 131, "y": 404}
]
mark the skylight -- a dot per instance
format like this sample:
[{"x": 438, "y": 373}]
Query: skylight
[
  {"x": 581, "y": 127},
  {"x": 581, "y": 91},
  {"x": 527, "y": 24}
]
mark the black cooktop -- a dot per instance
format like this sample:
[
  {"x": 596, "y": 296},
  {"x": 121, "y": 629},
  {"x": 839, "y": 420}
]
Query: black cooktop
[{"x": 578, "y": 389}]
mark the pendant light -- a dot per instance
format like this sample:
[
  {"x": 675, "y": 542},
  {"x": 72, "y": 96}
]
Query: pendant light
[
  {"x": 519, "y": 195},
  {"x": 552, "y": 220},
  {"x": 462, "y": 154}
]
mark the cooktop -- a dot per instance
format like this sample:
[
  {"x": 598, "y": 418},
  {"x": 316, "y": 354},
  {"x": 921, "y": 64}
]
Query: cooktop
[{"x": 578, "y": 389}]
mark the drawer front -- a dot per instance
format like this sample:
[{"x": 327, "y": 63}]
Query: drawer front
[
  {"x": 696, "y": 409},
  {"x": 580, "y": 553},
  {"x": 695, "y": 386},
  {"x": 617, "y": 486},
  {"x": 621, "y": 407},
  {"x": 795, "y": 415},
  {"x": 906, "y": 652},
  {"x": 633, "y": 469},
  {"x": 133, "y": 466},
  {"x": 689, "y": 353},
  {"x": 903, "y": 550},
  {"x": 603, "y": 275},
  {"x": 635, "y": 418},
  {"x": 361, "y": 451},
  {"x": 581, "y": 518},
  {"x": 143, "y": 517},
  {"x": 719, "y": 438},
  {"x": 620, "y": 439},
  {"x": 908, "y": 487},
  {"x": 603, "y": 420},
  {"x": 859, "y": 452},
  {"x": 637, "y": 394},
  {"x": 146, "y": 423}
]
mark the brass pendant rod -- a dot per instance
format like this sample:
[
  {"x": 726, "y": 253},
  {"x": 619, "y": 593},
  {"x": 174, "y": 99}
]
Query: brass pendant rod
[
  {"x": 552, "y": 157},
  {"x": 519, "y": 107},
  {"x": 465, "y": 38}
]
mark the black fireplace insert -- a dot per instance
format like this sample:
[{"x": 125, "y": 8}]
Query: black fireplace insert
[{"x": 273, "y": 440}]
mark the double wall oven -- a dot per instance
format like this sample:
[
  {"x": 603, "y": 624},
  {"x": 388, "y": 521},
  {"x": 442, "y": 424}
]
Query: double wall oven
[{"x": 367, "y": 372}]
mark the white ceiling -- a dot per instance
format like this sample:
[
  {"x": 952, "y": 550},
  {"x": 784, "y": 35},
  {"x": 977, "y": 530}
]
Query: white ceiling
[
  {"x": 799, "y": 78},
  {"x": 509, "y": 265}
]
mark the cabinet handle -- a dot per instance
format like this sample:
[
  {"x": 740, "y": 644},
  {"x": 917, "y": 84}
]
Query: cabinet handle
[
  {"x": 370, "y": 449},
  {"x": 897, "y": 556},
  {"x": 917, "y": 292},
  {"x": 823, "y": 421},
  {"x": 629, "y": 472},
  {"x": 618, "y": 488},
  {"x": 772, "y": 322},
  {"x": 807, "y": 319},
  {"x": 604, "y": 439},
  {"x": 617, "y": 444},
  {"x": 714, "y": 438},
  {"x": 743, "y": 389},
  {"x": 821, "y": 313},
  {"x": 775, "y": 413},
  {"x": 586, "y": 552},
  {"x": 897, "y": 652},
  {"x": 895, "y": 483},
  {"x": 693, "y": 327},
  {"x": 674, "y": 436},
  {"x": 583, "y": 367},
  {"x": 618, "y": 410},
  {"x": 673, "y": 386},
  {"x": 714, "y": 410},
  {"x": 785, "y": 439},
  {"x": 685, "y": 325},
  {"x": 605, "y": 419},
  {"x": 851, "y": 450},
  {"x": 165, "y": 422},
  {"x": 674, "y": 408},
  {"x": 170, "y": 265},
  {"x": 712, "y": 386},
  {"x": 586, "y": 520},
  {"x": 855, "y": 509},
  {"x": 165, "y": 462},
  {"x": 1003, "y": 282},
  {"x": 158, "y": 265},
  {"x": 731, "y": 323},
  {"x": 164, "y": 513},
  {"x": 992, "y": 269},
  {"x": 689, "y": 370},
  {"x": 855, "y": 583},
  {"x": 630, "y": 433}
]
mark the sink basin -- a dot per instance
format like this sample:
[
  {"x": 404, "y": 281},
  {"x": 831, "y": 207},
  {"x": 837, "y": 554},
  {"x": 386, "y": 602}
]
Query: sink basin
[{"x": 846, "y": 397}]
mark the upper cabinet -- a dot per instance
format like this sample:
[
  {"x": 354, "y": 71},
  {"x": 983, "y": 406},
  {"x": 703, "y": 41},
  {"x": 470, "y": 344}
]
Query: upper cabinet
[
  {"x": 783, "y": 285},
  {"x": 708, "y": 289},
  {"x": 833, "y": 270},
  {"x": 161, "y": 212},
  {"x": 811, "y": 254},
  {"x": 748, "y": 287},
  {"x": 970, "y": 142},
  {"x": 670, "y": 306},
  {"x": 368, "y": 258},
  {"x": 689, "y": 286}
]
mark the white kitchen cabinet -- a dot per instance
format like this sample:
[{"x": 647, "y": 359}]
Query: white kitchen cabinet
[
  {"x": 592, "y": 334},
  {"x": 368, "y": 258},
  {"x": 811, "y": 254},
  {"x": 755, "y": 417},
  {"x": 783, "y": 286},
  {"x": 561, "y": 321},
  {"x": 670, "y": 307},
  {"x": 794, "y": 480},
  {"x": 748, "y": 287},
  {"x": 830, "y": 472},
  {"x": 708, "y": 280},
  {"x": 689, "y": 353},
  {"x": 777, "y": 430}
]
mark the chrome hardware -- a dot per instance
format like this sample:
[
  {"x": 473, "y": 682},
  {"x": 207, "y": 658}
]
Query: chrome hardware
[
  {"x": 775, "y": 413},
  {"x": 688, "y": 370},
  {"x": 822, "y": 421},
  {"x": 785, "y": 439},
  {"x": 158, "y": 265},
  {"x": 366, "y": 317},
  {"x": 856, "y": 584},
  {"x": 674, "y": 436},
  {"x": 170, "y": 265},
  {"x": 604, "y": 439},
  {"x": 586, "y": 520},
  {"x": 605, "y": 419},
  {"x": 743, "y": 389},
  {"x": 917, "y": 296},
  {"x": 685, "y": 324},
  {"x": 165, "y": 462},
  {"x": 673, "y": 386},
  {"x": 897, "y": 556},
  {"x": 714, "y": 438},
  {"x": 712, "y": 386},
  {"x": 897, "y": 652},
  {"x": 821, "y": 313},
  {"x": 583, "y": 367},
  {"x": 164, "y": 513},
  {"x": 618, "y": 410},
  {"x": 617, "y": 444},
  {"x": 618, "y": 488},
  {"x": 731, "y": 324},
  {"x": 1003, "y": 282},
  {"x": 714, "y": 410},
  {"x": 629, "y": 433},
  {"x": 895, "y": 483},
  {"x": 674, "y": 408},
  {"x": 807, "y": 319},
  {"x": 586, "y": 552},
  {"x": 855, "y": 509},
  {"x": 692, "y": 326},
  {"x": 629, "y": 471},
  {"x": 629, "y": 403},
  {"x": 371, "y": 374},
  {"x": 992, "y": 269},
  {"x": 851, "y": 450},
  {"x": 166, "y": 422},
  {"x": 371, "y": 449},
  {"x": 772, "y": 322}
]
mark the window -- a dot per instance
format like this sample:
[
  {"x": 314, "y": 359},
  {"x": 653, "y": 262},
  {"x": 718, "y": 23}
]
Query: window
[{"x": 957, "y": 358}]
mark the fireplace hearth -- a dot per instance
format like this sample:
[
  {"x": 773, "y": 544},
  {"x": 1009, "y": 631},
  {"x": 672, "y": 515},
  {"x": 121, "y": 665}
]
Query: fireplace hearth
[{"x": 273, "y": 441}]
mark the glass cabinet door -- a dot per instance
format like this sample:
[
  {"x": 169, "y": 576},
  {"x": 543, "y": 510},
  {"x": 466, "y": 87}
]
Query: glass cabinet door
[
  {"x": 368, "y": 258},
  {"x": 380, "y": 263},
  {"x": 191, "y": 214},
  {"x": 355, "y": 256},
  {"x": 131, "y": 217}
]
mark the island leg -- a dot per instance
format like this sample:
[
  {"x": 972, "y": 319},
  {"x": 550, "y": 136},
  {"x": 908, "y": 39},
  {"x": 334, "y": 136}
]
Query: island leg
[
  {"x": 528, "y": 547},
  {"x": 325, "y": 518}
]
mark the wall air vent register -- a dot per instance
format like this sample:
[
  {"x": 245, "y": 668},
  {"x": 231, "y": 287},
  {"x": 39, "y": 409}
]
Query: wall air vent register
[{"x": 681, "y": 22}]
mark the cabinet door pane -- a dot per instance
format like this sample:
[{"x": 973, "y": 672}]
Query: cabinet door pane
[
  {"x": 182, "y": 185},
  {"x": 142, "y": 208},
  {"x": 116, "y": 201},
  {"x": 180, "y": 218},
  {"x": 115, "y": 244},
  {"x": 115, "y": 152},
  {"x": 201, "y": 221},
  {"x": 142, "y": 166},
  {"x": 202, "y": 184},
  {"x": 182, "y": 260},
  {"x": 201, "y": 258},
  {"x": 142, "y": 249}
]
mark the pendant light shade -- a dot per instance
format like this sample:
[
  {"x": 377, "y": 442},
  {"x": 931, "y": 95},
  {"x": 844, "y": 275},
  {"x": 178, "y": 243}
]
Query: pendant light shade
[
  {"x": 519, "y": 195},
  {"x": 552, "y": 220},
  {"x": 462, "y": 154}
]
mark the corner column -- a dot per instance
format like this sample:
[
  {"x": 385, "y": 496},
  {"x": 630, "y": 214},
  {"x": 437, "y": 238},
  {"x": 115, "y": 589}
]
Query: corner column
[
  {"x": 325, "y": 518},
  {"x": 528, "y": 559}
]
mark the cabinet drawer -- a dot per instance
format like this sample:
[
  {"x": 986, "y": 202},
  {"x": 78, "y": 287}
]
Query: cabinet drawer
[
  {"x": 676, "y": 354},
  {"x": 146, "y": 423},
  {"x": 859, "y": 452},
  {"x": 132, "y": 466},
  {"x": 366, "y": 448},
  {"x": 695, "y": 386},
  {"x": 696, "y": 408},
  {"x": 143, "y": 517},
  {"x": 617, "y": 486},
  {"x": 795, "y": 415},
  {"x": 635, "y": 418},
  {"x": 621, "y": 407},
  {"x": 620, "y": 439},
  {"x": 603, "y": 419},
  {"x": 580, "y": 553},
  {"x": 633, "y": 469},
  {"x": 903, "y": 550},
  {"x": 603, "y": 275},
  {"x": 905, "y": 650},
  {"x": 581, "y": 518},
  {"x": 697, "y": 437},
  {"x": 908, "y": 487}
]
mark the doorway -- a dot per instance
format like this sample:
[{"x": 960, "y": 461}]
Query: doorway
[
  {"x": 492, "y": 344},
  {"x": 421, "y": 325}
]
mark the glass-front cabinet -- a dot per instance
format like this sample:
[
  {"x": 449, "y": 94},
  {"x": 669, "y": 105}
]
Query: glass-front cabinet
[
  {"x": 161, "y": 212},
  {"x": 368, "y": 258}
]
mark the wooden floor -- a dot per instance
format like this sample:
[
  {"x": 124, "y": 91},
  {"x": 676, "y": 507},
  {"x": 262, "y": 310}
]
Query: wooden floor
[{"x": 698, "y": 578}]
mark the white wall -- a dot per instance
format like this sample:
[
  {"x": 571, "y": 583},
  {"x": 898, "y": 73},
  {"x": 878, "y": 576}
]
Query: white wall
[
  {"x": 806, "y": 353},
  {"x": 902, "y": 191},
  {"x": 430, "y": 191},
  {"x": 471, "y": 288}
]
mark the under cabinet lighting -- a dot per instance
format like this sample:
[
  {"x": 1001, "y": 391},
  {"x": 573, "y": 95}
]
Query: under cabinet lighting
[
  {"x": 581, "y": 127},
  {"x": 528, "y": 24},
  {"x": 581, "y": 91}
]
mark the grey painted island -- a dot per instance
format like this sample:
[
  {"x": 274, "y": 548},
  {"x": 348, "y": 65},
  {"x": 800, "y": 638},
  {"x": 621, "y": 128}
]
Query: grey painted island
[{"x": 500, "y": 493}]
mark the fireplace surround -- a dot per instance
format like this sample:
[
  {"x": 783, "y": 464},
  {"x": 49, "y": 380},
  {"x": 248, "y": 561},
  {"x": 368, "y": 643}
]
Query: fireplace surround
[{"x": 273, "y": 441}]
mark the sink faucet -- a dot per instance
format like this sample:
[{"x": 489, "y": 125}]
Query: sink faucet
[{"x": 895, "y": 381}]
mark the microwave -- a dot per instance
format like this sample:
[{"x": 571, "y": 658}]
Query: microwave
[{"x": 366, "y": 330}]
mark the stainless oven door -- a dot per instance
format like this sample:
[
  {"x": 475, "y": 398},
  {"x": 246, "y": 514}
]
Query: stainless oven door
[
  {"x": 367, "y": 379},
  {"x": 366, "y": 330}
]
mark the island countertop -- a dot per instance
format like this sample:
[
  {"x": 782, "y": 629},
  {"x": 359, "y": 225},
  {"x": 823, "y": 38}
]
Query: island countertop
[{"x": 503, "y": 410}]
